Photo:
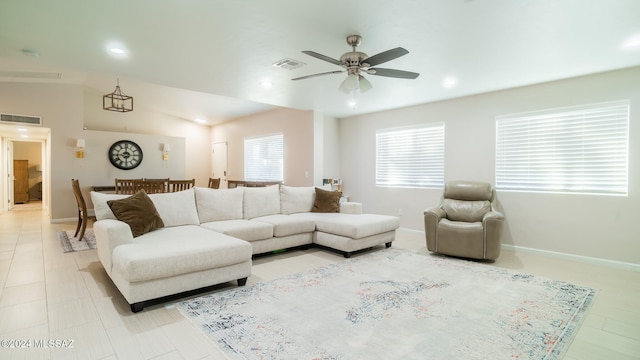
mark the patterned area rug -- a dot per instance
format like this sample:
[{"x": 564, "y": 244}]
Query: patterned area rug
[
  {"x": 395, "y": 304},
  {"x": 70, "y": 243}
]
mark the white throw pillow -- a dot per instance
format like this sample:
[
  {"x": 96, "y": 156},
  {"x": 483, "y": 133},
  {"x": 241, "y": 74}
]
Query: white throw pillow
[
  {"x": 219, "y": 204},
  {"x": 100, "y": 208},
  {"x": 176, "y": 208},
  {"x": 296, "y": 199},
  {"x": 261, "y": 201}
]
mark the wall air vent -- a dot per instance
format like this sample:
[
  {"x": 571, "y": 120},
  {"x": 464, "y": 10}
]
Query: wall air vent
[
  {"x": 289, "y": 64},
  {"x": 20, "y": 119}
]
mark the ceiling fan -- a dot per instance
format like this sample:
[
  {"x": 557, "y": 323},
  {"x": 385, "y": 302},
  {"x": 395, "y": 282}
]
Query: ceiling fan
[{"x": 355, "y": 63}]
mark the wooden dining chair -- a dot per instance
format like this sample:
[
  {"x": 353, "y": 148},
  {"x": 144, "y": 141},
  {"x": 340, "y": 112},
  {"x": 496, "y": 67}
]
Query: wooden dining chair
[
  {"x": 165, "y": 181},
  {"x": 82, "y": 210},
  {"x": 214, "y": 183},
  {"x": 125, "y": 186},
  {"x": 179, "y": 185},
  {"x": 151, "y": 186}
]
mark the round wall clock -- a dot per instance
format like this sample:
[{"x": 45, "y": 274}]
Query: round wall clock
[{"x": 125, "y": 154}]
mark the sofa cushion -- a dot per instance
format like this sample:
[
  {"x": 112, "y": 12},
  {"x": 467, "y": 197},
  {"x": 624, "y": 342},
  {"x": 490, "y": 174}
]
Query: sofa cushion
[
  {"x": 176, "y": 208},
  {"x": 469, "y": 211},
  {"x": 261, "y": 201},
  {"x": 327, "y": 201},
  {"x": 248, "y": 230},
  {"x": 355, "y": 226},
  {"x": 138, "y": 212},
  {"x": 101, "y": 209},
  {"x": 218, "y": 204},
  {"x": 296, "y": 199},
  {"x": 178, "y": 250},
  {"x": 285, "y": 225}
]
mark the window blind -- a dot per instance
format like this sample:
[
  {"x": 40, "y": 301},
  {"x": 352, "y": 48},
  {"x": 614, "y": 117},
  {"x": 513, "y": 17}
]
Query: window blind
[
  {"x": 264, "y": 158},
  {"x": 580, "y": 149},
  {"x": 410, "y": 157}
]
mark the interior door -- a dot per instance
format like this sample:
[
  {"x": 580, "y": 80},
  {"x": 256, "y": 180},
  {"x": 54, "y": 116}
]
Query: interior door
[
  {"x": 10, "y": 177},
  {"x": 219, "y": 163}
]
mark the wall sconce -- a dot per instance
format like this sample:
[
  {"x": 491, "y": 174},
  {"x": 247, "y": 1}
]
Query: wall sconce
[
  {"x": 165, "y": 151},
  {"x": 80, "y": 149}
]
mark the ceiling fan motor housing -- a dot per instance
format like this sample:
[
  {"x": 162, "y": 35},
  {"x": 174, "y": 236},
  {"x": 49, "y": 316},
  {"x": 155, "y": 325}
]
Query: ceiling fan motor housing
[{"x": 353, "y": 58}]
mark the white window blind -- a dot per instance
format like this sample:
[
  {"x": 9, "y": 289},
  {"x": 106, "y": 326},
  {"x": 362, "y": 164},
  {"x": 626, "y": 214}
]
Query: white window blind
[
  {"x": 410, "y": 157},
  {"x": 264, "y": 158},
  {"x": 576, "y": 149}
]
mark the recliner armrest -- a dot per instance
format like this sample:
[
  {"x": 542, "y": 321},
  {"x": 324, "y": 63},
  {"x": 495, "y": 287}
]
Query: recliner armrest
[
  {"x": 492, "y": 215},
  {"x": 438, "y": 212},
  {"x": 432, "y": 217}
]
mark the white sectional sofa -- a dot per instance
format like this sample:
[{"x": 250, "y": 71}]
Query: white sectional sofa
[{"x": 210, "y": 235}]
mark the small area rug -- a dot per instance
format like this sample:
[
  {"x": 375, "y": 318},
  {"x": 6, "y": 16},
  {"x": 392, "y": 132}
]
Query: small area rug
[
  {"x": 395, "y": 304},
  {"x": 70, "y": 243}
]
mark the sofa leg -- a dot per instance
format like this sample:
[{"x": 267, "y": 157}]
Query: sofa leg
[
  {"x": 242, "y": 282},
  {"x": 137, "y": 307},
  {"x": 388, "y": 245},
  {"x": 347, "y": 254}
]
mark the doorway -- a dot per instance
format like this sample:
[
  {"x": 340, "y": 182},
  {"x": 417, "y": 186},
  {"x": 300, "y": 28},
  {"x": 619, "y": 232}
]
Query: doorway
[
  {"x": 27, "y": 173},
  {"x": 219, "y": 163},
  {"x": 29, "y": 143}
]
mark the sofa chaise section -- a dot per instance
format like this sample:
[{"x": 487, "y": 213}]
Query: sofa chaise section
[
  {"x": 352, "y": 232},
  {"x": 176, "y": 258}
]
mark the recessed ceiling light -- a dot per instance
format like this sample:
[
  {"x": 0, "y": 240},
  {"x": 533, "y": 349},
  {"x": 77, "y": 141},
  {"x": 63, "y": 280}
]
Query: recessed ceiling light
[
  {"x": 117, "y": 49},
  {"x": 266, "y": 84},
  {"x": 631, "y": 43},
  {"x": 449, "y": 82}
]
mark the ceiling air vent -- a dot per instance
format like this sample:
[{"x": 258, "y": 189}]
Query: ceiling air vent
[
  {"x": 20, "y": 119},
  {"x": 289, "y": 64},
  {"x": 30, "y": 75}
]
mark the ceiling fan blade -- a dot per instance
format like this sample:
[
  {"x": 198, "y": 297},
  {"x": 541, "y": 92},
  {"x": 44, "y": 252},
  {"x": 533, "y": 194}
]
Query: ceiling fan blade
[
  {"x": 385, "y": 56},
  {"x": 320, "y": 74},
  {"x": 365, "y": 85},
  {"x": 322, "y": 57},
  {"x": 393, "y": 73}
]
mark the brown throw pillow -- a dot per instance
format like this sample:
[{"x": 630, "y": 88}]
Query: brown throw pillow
[
  {"x": 327, "y": 201},
  {"x": 138, "y": 212}
]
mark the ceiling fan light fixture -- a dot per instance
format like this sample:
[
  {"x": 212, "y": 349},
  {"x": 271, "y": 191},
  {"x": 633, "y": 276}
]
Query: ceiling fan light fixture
[
  {"x": 350, "y": 83},
  {"x": 364, "y": 84}
]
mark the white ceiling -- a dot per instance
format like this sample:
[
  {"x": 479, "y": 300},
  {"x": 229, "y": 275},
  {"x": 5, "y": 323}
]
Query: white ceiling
[{"x": 206, "y": 58}]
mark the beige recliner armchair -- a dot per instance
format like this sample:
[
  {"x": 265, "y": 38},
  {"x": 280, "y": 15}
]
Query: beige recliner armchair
[{"x": 466, "y": 223}]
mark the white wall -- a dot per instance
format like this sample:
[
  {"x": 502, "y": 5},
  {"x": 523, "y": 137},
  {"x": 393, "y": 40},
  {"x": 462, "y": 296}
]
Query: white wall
[
  {"x": 604, "y": 227},
  {"x": 150, "y": 121},
  {"x": 67, "y": 109},
  {"x": 297, "y": 126}
]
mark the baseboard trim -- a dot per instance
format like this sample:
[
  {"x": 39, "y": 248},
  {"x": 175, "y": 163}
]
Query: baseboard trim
[
  {"x": 64, "y": 220},
  {"x": 577, "y": 258},
  {"x": 559, "y": 255}
]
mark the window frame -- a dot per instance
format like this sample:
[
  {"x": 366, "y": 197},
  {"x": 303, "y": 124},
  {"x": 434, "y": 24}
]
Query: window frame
[
  {"x": 419, "y": 167},
  {"x": 577, "y": 150},
  {"x": 273, "y": 142}
]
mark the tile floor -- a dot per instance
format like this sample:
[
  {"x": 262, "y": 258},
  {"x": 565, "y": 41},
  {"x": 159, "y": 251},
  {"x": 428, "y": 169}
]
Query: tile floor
[{"x": 45, "y": 294}]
